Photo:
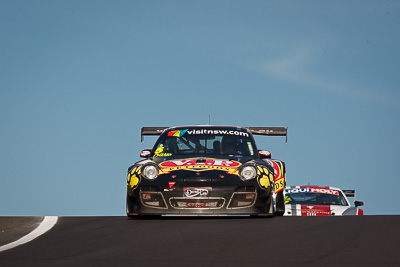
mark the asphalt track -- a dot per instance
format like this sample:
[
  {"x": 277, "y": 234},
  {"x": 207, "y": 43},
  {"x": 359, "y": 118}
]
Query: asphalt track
[{"x": 204, "y": 241}]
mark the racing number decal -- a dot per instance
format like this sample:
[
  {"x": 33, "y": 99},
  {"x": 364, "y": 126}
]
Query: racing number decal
[
  {"x": 264, "y": 177},
  {"x": 134, "y": 177}
]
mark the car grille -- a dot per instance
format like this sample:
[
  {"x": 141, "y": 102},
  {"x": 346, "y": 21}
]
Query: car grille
[{"x": 197, "y": 203}]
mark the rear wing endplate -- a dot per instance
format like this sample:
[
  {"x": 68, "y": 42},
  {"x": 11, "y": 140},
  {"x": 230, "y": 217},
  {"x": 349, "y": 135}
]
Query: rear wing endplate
[
  {"x": 350, "y": 193},
  {"x": 272, "y": 131},
  {"x": 151, "y": 131}
]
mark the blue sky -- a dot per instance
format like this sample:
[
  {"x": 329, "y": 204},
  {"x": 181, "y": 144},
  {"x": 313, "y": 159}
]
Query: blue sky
[{"x": 78, "y": 79}]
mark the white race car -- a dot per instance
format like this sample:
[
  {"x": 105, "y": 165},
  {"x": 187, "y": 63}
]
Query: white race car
[{"x": 314, "y": 200}]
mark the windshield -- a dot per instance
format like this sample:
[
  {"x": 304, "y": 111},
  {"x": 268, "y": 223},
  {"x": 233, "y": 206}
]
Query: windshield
[
  {"x": 204, "y": 142},
  {"x": 333, "y": 197}
]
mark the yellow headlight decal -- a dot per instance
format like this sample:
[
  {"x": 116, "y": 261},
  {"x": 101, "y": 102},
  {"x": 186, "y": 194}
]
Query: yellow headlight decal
[
  {"x": 264, "y": 177},
  {"x": 264, "y": 182},
  {"x": 271, "y": 177},
  {"x": 134, "y": 177},
  {"x": 259, "y": 171}
]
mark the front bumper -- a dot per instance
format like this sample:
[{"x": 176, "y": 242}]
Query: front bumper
[{"x": 202, "y": 200}]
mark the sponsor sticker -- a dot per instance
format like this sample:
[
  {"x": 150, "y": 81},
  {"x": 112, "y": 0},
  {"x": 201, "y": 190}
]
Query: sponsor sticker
[
  {"x": 250, "y": 196},
  {"x": 196, "y": 191},
  {"x": 180, "y": 133},
  {"x": 279, "y": 174},
  {"x": 177, "y": 133},
  {"x": 199, "y": 205},
  {"x": 230, "y": 166},
  {"x": 312, "y": 190},
  {"x": 310, "y": 210},
  {"x": 218, "y": 132},
  {"x": 279, "y": 185},
  {"x": 146, "y": 196},
  {"x": 159, "y": 152}
]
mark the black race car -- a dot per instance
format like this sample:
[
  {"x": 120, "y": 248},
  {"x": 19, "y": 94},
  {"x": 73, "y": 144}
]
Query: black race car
[{"x": 206, "y": 170}]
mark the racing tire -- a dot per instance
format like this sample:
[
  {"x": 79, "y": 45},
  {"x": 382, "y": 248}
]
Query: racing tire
[
  {"x": 272, "y": 207},
  {"x": 280, "y": 204},
  {"x": 138, "y": 216}
]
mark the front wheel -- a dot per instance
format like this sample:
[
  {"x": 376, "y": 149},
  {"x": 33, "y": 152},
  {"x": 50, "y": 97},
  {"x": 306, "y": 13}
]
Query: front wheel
[{"x": 280, "y": 203}]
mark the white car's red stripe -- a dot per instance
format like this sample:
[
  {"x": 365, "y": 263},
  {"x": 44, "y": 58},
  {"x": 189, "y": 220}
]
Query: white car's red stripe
[{"x": 316, "y": 210}]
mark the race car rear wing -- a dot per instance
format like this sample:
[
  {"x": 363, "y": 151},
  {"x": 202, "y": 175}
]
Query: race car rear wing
[
  {"x": 151, "y": 131},
  {"x": 350, "y": 193},
  {"x": 273, "y": 131}
]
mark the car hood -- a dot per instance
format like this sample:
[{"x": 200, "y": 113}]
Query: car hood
[
  {"x": 206, "y": 166},
  {"x": 200, "y": 163}
]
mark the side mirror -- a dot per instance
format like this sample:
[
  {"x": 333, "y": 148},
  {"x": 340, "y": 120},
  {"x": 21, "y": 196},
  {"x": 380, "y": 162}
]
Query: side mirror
[
  {"x": 145, "y": 153},
  {"x": 264, "y": 154},
  {"x": 358, "y": 203}
]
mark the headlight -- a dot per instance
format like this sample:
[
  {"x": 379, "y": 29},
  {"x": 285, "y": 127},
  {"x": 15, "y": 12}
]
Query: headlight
[
  {"x": 150, "y": 172},
  {"x": 248, "y": 172}
]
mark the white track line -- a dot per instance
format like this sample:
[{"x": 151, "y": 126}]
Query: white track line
[{"x": 47, "y": 223}]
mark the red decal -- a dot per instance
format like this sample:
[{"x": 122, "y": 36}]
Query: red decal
[
  {"x": 316, "y": 210},
  {"x": 171, "y": 184},
  {"x": 249, "y": 196},
  {"x": 171, "y": 133},
  {"x": 146, "y": 196},
  {"x": 324, "y": 191},
  {"x": 197, "y": 205},
  {"x": 314, "y": 186}
]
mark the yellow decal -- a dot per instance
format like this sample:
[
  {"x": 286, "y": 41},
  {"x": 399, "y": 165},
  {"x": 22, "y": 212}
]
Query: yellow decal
[
  {"x": 158, "y": 152},
  {"x": 279, "y": 185},
  {"x": 264, "y": 177},
  {"x": 259, "y": 170},
  {"x": 134, "y": 177},
  {"x": 280, "y": 175},
  {"x": 163, "y": 155},
  {"x": 264, "y": 182}
]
